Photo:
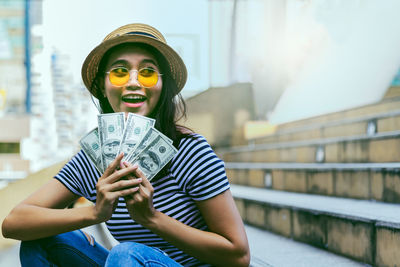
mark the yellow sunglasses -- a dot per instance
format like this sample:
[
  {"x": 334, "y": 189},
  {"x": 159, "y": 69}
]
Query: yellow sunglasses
[{"x": 120, "y": 76}]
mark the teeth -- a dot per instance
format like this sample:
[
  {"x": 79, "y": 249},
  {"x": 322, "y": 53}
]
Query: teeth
[{"x": 134, "y": 97}]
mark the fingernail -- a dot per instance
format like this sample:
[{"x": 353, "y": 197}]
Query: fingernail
[{"x": 139, "y": 179}]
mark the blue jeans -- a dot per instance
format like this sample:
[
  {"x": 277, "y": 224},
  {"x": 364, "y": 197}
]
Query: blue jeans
[{"x": 76, "y": 249}]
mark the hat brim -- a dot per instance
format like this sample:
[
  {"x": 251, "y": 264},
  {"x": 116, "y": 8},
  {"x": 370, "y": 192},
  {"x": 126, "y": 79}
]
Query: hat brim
[{"x": 91, "y": 64}]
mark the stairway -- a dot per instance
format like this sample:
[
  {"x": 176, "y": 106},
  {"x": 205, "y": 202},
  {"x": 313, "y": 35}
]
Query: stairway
[{"x": 332, "y": 182}]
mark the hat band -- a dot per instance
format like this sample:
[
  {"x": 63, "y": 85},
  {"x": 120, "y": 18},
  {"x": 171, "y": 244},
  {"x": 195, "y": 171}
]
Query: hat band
[{"x": 142, "y": 33}]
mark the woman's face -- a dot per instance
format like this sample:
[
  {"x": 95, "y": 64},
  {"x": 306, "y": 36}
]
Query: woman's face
[{"x": 132, "y": 96}]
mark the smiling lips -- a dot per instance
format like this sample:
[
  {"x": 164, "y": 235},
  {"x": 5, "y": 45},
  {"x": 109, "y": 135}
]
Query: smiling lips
[{"x": 134, "y": 100}]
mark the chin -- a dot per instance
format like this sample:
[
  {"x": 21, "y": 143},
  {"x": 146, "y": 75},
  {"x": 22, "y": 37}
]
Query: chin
[{"x": 140, "y": 112}]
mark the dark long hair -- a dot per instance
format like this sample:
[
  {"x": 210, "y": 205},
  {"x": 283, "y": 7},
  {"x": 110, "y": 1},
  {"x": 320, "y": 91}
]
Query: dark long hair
[{"x": 171, "y": 106}]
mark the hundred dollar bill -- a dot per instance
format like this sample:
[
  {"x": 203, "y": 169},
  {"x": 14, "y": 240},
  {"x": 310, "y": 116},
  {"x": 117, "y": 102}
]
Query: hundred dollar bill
[
  {"x": 90, "y": 144},
  {"x": 150, "y": 135},
  {"x": 111, "y": 128},
  {"x": 155, "y": 156},
  {"x": 136, "y": 127}
]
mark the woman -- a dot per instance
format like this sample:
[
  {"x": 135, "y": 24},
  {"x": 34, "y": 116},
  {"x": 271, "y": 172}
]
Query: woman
[{"x": 185, "y": 216}]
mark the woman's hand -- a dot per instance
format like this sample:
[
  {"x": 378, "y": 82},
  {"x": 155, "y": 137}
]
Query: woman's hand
[
  {"x": 140, "y": 203},
  {"x": 112, "y": 185}
]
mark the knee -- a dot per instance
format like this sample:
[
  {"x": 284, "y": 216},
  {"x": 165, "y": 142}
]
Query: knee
[
  {"x": 64, "y": 237},
  {"x": 61, "y": 238},
  {"x": 120, "y": 252},
  {"x": 37, "y": 243},
  {"x": 29, "y": 245},
  {"x": 29, "y": 250},
  {"x": 128, "y": 248}
]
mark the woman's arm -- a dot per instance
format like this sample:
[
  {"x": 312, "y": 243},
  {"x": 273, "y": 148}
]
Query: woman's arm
[
  {"x": 226, "y": 243},
  {"x": 42, "y": 214}
]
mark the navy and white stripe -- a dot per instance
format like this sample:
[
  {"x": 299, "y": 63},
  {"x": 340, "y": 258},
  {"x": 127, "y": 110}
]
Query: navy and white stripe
[{"x": 195, "y": 173}]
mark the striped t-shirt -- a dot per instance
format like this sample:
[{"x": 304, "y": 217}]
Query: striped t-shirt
[{"x": 195, "y": 173}]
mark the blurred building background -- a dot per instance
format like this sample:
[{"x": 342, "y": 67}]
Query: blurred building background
[{"x": 300, "y": 98}]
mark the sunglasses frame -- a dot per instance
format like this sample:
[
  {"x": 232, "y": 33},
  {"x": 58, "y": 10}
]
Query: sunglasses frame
[{"x": 129, "y": 73}]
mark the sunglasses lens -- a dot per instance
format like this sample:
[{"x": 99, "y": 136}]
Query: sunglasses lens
[
  {"x": 119, "y": 76},
  {"x": 147, "y": 77}
]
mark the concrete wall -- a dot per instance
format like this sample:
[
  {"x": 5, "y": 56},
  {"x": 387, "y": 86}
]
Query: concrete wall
[{"x": 217, "y": 112}]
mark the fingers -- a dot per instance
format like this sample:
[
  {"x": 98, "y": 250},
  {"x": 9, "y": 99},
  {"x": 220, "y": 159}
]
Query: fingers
[
  {"x": 146, "y": 186},
  {"x": 104, "y": 188},
  {"x": 112, "y": 179},
  {"x": 122, "y": 184},
  {"x": 126, "y": 192},
  {"x": 138, "y": 172},
  {"x": 122, "y": 188},
  {"x": 143, "y": 194},
  {"x": 145, "y": 182},
  {"x": 120, "y": 174},
  {"x": 138, "y": 197},
  {"x": 145, "y": 191},
  {"x": 125, "y": 165},
  {"x": 113, "y": 165}
]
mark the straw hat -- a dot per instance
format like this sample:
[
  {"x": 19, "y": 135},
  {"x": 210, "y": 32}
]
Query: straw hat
[{"x": 134, "y": 33}]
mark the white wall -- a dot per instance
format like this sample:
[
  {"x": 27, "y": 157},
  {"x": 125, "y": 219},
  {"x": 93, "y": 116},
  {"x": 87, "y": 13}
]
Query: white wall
[
  {"x": 75, "y": 27},
  {"x": 324, "y": 55},
  {"x": 343, "y": 54}
]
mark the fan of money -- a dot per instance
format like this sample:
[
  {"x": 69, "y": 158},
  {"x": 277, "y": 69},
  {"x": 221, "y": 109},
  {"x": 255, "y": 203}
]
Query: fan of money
[{"x": 136, "y": 136}]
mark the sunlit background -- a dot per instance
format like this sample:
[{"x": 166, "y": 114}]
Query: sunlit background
[
  {"x": 287, "y": 59},
  {"x": 303, "y": 58}
]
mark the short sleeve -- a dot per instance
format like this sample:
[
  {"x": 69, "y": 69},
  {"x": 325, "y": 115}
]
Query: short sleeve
[
  {"x": 201, "y": 173},
  {"x": 79, "y": 175}
]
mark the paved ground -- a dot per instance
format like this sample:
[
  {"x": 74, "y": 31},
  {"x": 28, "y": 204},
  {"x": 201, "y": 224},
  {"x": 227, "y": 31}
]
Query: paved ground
[{"x": 9, "y": 257}]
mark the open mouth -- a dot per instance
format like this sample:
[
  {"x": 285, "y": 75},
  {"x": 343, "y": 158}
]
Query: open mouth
[{"x": 134, "y": 99}]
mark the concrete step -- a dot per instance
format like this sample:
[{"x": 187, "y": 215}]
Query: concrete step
[
  {"x": 386, "y": 105},
  {"x": 363, "y": 230},
  {"x": 378, "y": 181},
  {"x": 269, "y": 249},
  {"x": 367, "y": 124},
  {"x": 381, "y": 147},
  {"x": 392, "y": 92}
]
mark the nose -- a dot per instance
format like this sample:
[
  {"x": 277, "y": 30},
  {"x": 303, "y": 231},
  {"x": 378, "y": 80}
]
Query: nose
[{"x": 133, "y": 80}]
